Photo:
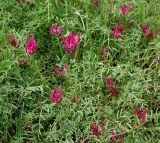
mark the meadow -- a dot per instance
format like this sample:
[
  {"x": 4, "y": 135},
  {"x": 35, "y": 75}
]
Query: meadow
[{"x": 79, "y": 71}]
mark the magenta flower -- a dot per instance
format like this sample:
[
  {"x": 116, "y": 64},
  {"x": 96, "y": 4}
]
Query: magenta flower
[
  {"x": 31, "y": 45},
  {"x": 109, "y": 81},
  {"x": 147, "y": 31},
  {"x": 56, "y": 96},
  {"x": 22, "y": 61},
  {"x": 97, "y": 3},
  {"x": 116, "y": 32},
  {"x": 82, "y": 139},
  {"x": 59, "y": 71},
  {"x": 143, "y": 26},
  {"x": 55, "y": 30},
  {"x": 113, "y": 91},
  {"x": 103, "y": 52},
  {"x": 120, "y": 137},
  {"x": 121, "y": 27},
  {"x": 65, "y": 67},
  {"x": 13, "y": 40},
  {"x": 97, "y": 130},
  {"x": 70, "y": 43},
  {"x": 125, "y": 9},
  {"x": 141, "y": 113},
  {"x": 137, "y": 125}
]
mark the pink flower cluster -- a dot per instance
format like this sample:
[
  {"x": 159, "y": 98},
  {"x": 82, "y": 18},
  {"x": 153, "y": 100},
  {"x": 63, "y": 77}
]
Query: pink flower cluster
[
  {"x": 117, "y": 30},
  {"x": 70, "y": 43},
  {"x": 96, "y": 4},
  {"x": 125, "y": 9},
  {"x": 115, "y": 139},
  {"x": 60, "y": 72},
  {"x": 22, "y": 61},
  {"x": 31, "y": 45},
  {"x": 97, "y": 129},
  {"x": 141, "y": 113},
  {"x": 55, "y": 30},
  {"x": 13, "y": 40},
  {"x": 56, "y": 95},
  {"x": 109, "y": 81},
  {"x": 103, "y": 52},
  {"x": 147, "y": 31}
]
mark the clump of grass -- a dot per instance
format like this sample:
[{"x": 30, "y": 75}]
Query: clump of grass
[{"x": 28, "y": 114}]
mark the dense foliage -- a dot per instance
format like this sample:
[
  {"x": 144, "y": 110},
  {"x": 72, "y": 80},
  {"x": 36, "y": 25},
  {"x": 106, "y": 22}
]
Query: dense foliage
[{"x": 79, "y": 71}]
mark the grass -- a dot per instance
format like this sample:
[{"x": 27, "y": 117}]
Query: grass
[{"x": 27, "y": 113}]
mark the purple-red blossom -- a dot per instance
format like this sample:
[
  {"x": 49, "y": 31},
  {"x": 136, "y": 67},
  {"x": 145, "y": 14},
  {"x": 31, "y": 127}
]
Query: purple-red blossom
[
  {"x": 147, "y": 31},
  {"x": 22, "y": 61},
  {"x": 103, "y": 52},
  {"x": 55, "y": 30},
  {"x": 97, "y": 129},
  {"x": 109, "y": 81},
  {"x": 121, "y": 27},
  {"x": 121, "y": 137},
  {"x": 97, "y": 3},
  {"x": 117, "y": 30},
  {"x": 143, "y": 26},
  {"x": 141, "y": 113},
  {"x": 56, "y": 95},
  {"x": 70, "y": 42},
  {"x": 31, "y": 45},
  {"x": 59, "y": 71},
  {"x": 65, "y": 67},
  {"x": 113, "y": 91},
  {"x": 137, "y": 125},
  {"x": 82, "y": 139},
  {"x": 125, "y": 8},
  {"x": 13, "y": 40}
]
